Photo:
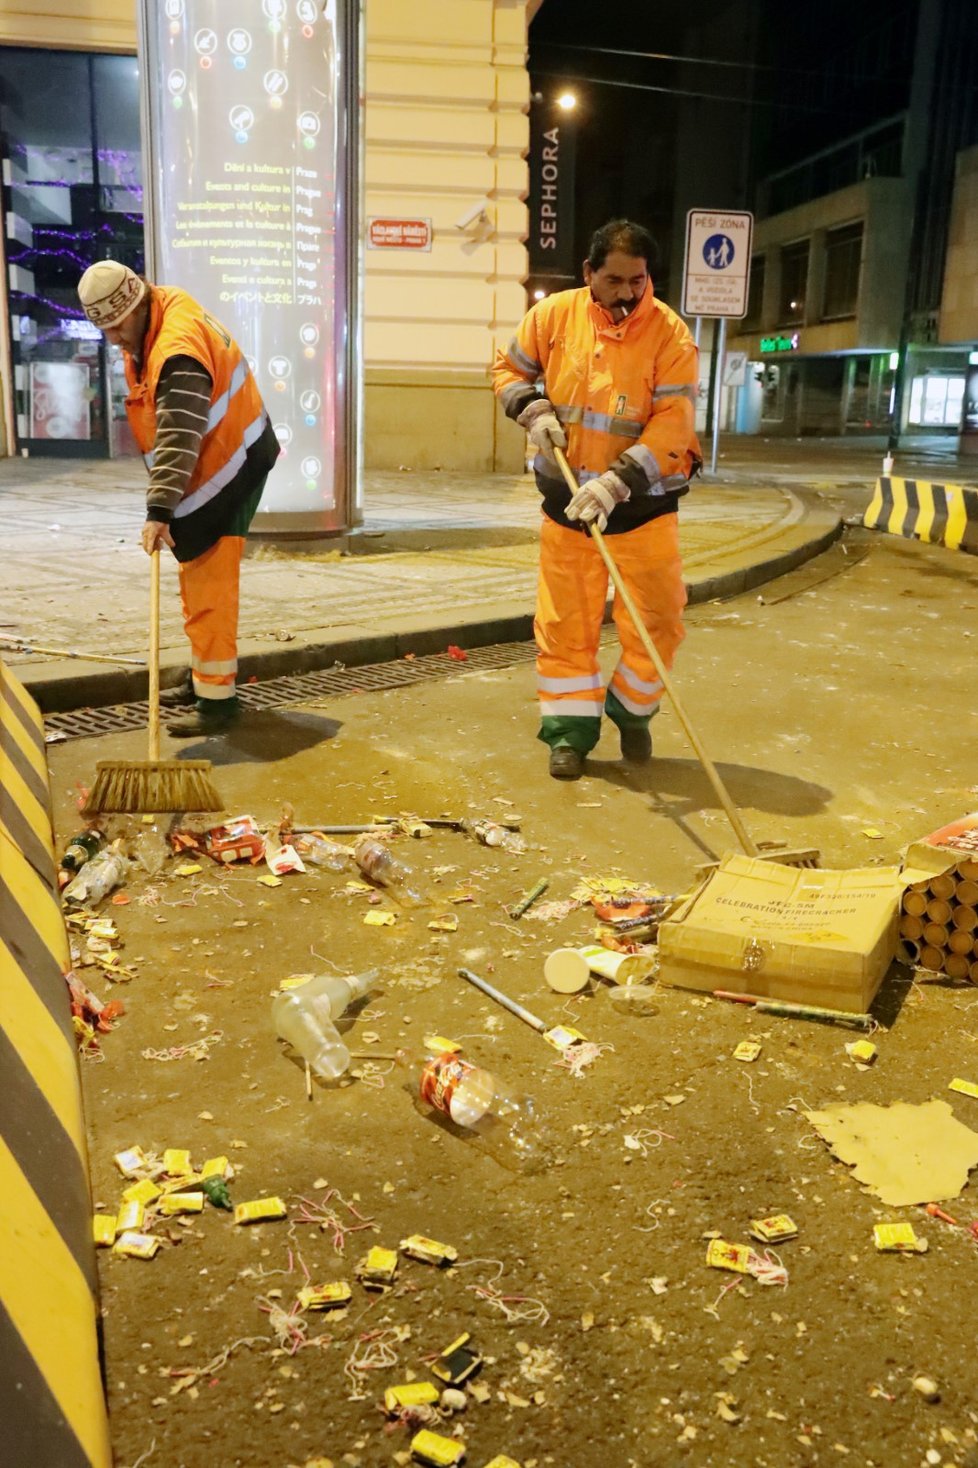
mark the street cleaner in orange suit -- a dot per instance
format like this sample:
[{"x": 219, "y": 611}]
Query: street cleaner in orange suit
[
  {"x": 197, "y": 416},
  {"x": 609, "y": 374}
]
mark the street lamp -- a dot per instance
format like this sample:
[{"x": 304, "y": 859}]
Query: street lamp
[{"x": 567, "y": 101}]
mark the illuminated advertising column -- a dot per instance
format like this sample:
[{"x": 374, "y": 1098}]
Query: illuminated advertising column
[{"x": 251, "y": 136}]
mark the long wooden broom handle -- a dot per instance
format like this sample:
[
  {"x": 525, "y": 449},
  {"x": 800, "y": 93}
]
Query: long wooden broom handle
[
  {"x": 710, "y": 770},
  {"x": 154, "y": 658}
]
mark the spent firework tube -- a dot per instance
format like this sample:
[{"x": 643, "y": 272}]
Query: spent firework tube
[{"x": 568, "y": 970}]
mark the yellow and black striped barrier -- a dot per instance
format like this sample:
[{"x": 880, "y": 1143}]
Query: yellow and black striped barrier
[
  {"x": 943, "y": 514},
  {"x": 52, "y": 1405}
]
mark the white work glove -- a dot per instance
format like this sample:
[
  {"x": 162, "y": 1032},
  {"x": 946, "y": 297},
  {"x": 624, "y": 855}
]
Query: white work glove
[
  {"x": 543, "y": 427},
  {"x": 596, "y": 499}
]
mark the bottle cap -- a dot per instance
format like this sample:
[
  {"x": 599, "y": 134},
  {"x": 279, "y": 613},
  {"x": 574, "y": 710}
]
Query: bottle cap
[{"x": 566, "y": 971}]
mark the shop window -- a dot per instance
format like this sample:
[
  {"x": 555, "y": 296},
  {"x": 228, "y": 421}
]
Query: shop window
[
  {"x": 794, "y": 283},
  {"x": 69, "y": 143},
  {"x": 843, "y": 256},
  {"x": 772, "y": 406},
  {"x": 936, "y": 401}
]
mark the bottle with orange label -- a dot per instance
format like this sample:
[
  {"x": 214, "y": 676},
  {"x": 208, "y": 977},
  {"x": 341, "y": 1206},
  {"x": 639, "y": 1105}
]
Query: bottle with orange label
[{"x": 504, "y": 1121}]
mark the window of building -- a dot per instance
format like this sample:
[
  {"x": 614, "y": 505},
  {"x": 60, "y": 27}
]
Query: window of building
[
  {"x": 72, "y": 195},
  {"x": 794, "y": 282},
  {"x": 843, "y": 256},
  {"x": 936, "y": 401},
  {"x": 755, "y": 294}
]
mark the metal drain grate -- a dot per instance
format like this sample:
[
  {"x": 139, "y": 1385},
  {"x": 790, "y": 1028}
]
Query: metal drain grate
[{"x": 303, "y": 687}]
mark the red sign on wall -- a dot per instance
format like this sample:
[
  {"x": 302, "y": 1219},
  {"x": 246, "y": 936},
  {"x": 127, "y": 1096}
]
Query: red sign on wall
[{"x": 399, "y": 234}]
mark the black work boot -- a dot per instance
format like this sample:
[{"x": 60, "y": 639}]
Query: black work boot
[
  {"x": 566, "y": 763},
  {"x": 209, "y": 716},
  {"x": 636, "y": 745},
  {"x": 180, "y": 695}
]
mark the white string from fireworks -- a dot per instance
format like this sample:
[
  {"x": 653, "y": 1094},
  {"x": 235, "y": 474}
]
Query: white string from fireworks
[
  {"x": 374, "y": 1351},
  {"x": 514, "y": 1308},
  {"x": 323, "y": 1215},
  {"x": 195, "y": 1049}
]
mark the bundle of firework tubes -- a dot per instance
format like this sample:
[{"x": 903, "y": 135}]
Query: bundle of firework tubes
[{"x": 939, "y": 917}]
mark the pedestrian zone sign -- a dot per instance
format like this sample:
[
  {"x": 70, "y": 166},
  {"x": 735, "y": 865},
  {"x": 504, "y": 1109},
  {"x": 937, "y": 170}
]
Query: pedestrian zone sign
[{"x": 717, "y": 271}]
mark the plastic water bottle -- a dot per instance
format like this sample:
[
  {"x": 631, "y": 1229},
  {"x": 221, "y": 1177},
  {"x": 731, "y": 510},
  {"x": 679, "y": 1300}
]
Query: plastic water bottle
[
  {"x": 378, "y": 863},
  {"x": 317, "y": 849},
  {"x": 488, "y": 833},
  {"x": 107, "y": 870},
  {"x": 505, "y": 1121},
  {"x": 306, "y": 1017},
  {"x": 151, "y": 851},
  {"x": 81, "y": 849}
]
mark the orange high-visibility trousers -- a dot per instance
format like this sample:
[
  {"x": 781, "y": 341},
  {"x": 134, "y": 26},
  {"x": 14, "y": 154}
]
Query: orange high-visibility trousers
[
  {"x": 209, "y": 593},
  {"x": 571, "y": 594}
]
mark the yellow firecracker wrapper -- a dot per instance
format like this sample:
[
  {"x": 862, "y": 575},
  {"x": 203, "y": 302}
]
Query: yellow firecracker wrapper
[
  {"x": 217, "y": 1167},
  {"x": 898, "y": 1238},
  {"x": 411, "y": 1394},
  {"x": 747, "y": 1050},
  {"x": 377, "y": 1268},
  {"x": 966, "y": 1088},
  {"x": 176, "y": 1162},
  {"x": 773, "y": 1230},
  {"x": 259, "y": 1210},
  {"x": 438, "y": 1045},
  {"x": 188, "y": 869},
  {"x": 136, "y": 1245},
  {"x": 269, "y": 880},
  {"x": 440, "y": 1452},
  {"x": 863, "y": 1051},
  {"x": 429, "y": 1251},
  {"x": 131, "y": 1215},
  {"x": 131, "y": 1162},
  {"x": 144, "y": 1192},
  {"x": 181, "y": 1203},
  {"x": 562, "y": 1037},
  {"x": 295, "y": 981},
  {"x": 501, "y": 1461},
  {"x": 104, "y": 1229},
  {"x": 446, "y": 924},
  {"x": 182, "y": 1184},
  {"x": 375, "y": 918},
  {"x": 325, "y": 1297},
  {"x": 736, "y": 1257}
]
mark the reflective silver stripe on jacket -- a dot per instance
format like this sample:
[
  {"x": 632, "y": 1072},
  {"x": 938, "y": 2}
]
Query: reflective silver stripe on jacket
[
  {"x": 677, "y": 390},
  {"x": 511, "y": 394},
  {"x": 520, "y": 360},
  {"x": 643, "y": 456},
  {"x": 570, "y": 685},
  {"x": 218, "y": 408},
  {"x": 206, "y": 491},
  {"x": 599, "y": 422}
]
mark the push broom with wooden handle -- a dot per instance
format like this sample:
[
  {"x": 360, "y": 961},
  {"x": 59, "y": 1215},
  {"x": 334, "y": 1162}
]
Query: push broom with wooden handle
[
  {"x": 800, "y": 857},
  {"x": 153, "y": 785}
]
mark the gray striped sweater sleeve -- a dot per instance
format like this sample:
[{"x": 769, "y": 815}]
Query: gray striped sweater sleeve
[{"x": 183, "y": 399}]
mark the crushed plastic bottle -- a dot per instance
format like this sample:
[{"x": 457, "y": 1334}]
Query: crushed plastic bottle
[
  {"x": 306, "y": 1017},
  {"x": 504, "y": 1121},
  {"x": 151, "y": 851},
  {"x": 378, "y": 863},
  {"x": 319, "y": 851},
  {"x": 80, "y": 849},
  {"x": 107, "y": 870},
  {"x": 488, "y": 833}
]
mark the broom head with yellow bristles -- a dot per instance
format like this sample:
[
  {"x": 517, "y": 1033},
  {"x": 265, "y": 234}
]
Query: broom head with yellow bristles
[
  {"x": 151, "y": 786},
  {"x": 796, "y": 856}
]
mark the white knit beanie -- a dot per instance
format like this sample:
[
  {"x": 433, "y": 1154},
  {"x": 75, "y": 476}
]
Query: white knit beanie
[{"x": 109, "y": 292}]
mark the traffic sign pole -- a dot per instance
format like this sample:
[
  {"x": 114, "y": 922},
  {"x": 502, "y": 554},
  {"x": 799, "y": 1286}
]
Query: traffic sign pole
[{"x": 719, "y": 346}]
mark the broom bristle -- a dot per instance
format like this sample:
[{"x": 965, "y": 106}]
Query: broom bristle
[{"x": 142, "y": 786}]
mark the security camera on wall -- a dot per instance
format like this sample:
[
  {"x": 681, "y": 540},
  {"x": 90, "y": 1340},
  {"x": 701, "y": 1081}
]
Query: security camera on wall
[{"x": 474, "y": 218}]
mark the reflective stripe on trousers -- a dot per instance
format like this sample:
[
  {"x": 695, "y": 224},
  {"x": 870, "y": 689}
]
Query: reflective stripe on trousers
[
  {"x": 209, "y": 593},
  {"x": 571, "y": 596}
]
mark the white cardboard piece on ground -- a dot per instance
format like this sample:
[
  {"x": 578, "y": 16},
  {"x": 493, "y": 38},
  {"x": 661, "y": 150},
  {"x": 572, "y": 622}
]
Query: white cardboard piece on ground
[{"x": 903, "y": 1154}]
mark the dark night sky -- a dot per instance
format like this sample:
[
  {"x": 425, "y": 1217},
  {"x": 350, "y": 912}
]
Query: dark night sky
[{"x": 802, "y": 77}]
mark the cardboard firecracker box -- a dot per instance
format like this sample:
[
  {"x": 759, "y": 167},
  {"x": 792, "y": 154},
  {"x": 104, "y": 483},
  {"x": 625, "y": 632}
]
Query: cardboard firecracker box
[
  {"x": 813, "y": 937},
  {"x": 939, "y": 916}
]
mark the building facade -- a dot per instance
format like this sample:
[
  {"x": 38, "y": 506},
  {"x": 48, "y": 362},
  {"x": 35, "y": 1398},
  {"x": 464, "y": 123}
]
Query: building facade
[{"x": 447, "y": 98}]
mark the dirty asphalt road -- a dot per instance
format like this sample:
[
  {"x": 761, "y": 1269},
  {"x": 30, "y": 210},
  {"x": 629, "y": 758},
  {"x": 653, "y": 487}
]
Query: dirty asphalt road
[{"x": 606, "y": 1339}]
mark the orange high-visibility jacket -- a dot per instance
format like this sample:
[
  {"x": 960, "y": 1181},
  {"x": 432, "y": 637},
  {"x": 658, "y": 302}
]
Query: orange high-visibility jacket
[
  {"x": 624, "y": 392},
  {"x": 180, "y": 327}
]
